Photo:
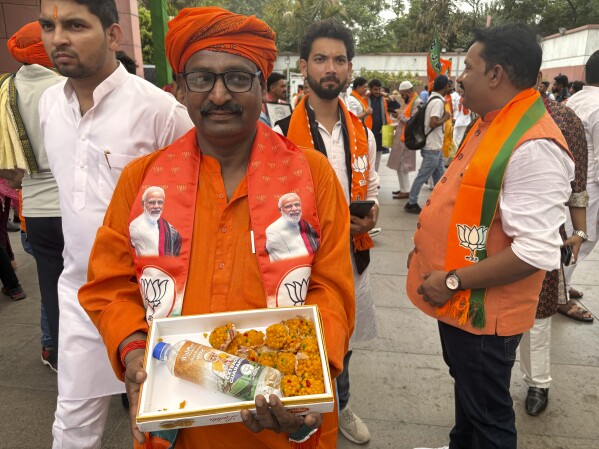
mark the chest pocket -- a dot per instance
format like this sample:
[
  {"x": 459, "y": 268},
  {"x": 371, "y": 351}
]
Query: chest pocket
[{"x": 110, "y": 167}]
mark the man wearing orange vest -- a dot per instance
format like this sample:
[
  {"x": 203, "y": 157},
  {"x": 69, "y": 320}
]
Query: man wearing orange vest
[{"x": 490, "y": 231}]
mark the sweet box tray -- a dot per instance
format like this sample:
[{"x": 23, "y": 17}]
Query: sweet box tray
[{"x": 167, "y": 402}]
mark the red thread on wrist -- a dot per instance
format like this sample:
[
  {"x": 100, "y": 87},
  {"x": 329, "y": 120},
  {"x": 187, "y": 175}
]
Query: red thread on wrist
[{"x": 131, "y": 346}]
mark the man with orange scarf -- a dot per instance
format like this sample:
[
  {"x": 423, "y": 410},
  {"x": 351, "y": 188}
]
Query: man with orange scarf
[
  {"x": 489, "y": 232},
  {"x": 321, "y": 121},
  {"x": 40, "y": 205},
  {"x": 223, "y": 180}
]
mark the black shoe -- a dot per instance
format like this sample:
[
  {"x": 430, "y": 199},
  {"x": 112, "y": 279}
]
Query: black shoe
[
  {"x": 396, "y": 192},
  {"x": 412, "y": 208},
  {"x": 536, "y": 400}
]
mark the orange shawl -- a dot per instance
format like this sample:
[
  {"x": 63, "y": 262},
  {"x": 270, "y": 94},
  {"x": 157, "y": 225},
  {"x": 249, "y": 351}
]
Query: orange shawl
[
  {"x": 478, "y": 197},
  {"x": 299, "y": 133}
]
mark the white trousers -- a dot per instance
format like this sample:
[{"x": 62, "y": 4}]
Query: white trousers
[
  {"x": 404, "y": 180},
  {"x": 377, "y": 161},
  {"x": 535, "y": 354},
  {"x": 79, "y": 424}
]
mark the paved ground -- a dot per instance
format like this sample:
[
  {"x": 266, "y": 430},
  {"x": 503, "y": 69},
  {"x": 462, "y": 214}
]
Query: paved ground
[{"x": 400, "y": 385}]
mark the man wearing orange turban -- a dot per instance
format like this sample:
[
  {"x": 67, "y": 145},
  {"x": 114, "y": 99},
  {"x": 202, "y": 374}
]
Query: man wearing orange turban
[
  {"x": 222, "y": 179},
  {"x": 22, "y": 146},
  {"x": 216, "y": 29},
  {"x": 26, "y": 46}
]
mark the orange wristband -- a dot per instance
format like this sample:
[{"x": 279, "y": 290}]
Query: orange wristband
[{"x": 131, "y": 346}]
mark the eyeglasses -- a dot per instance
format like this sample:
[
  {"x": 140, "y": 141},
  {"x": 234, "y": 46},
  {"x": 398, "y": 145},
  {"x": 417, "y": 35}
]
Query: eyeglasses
[
  {"x": 235, "y": 81},
  {"x": 155, "y": 202}
]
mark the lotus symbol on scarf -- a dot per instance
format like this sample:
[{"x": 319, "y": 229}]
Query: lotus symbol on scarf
[
  {"x": 474, "y": 238},
  {"x": 297, "y": 291},
  {"x": 360, "y": 165},
  {"x": 153, "y": 291}
]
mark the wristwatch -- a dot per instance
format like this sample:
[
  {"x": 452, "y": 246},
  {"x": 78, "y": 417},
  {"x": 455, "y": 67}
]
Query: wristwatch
[
  {"x": 452, "y": 281},
  {"x": 583, "y": 235}
]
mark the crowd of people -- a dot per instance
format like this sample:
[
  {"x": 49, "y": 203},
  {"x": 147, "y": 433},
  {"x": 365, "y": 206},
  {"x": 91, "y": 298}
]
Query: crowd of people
[{"x": 124, "y": 183}]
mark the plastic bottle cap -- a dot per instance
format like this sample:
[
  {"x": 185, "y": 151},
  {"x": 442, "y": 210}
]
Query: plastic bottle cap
[{"x": 160, "y": 350}]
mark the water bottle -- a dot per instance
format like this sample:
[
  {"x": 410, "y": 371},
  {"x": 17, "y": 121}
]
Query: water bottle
[{"x": 219, "y": 371}]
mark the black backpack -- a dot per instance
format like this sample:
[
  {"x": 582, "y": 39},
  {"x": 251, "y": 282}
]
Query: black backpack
[{"x": 415, "y": 137}]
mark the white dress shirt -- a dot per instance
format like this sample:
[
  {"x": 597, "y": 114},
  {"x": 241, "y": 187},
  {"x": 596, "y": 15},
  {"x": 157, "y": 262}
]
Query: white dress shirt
[
  {"x": 130, "y": 118},
  {"x": 535, "y": 190}
]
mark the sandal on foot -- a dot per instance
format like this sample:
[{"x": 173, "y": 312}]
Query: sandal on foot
[
  {"x": 574, "y": 311},
  {"x": 575, "y": 294}
]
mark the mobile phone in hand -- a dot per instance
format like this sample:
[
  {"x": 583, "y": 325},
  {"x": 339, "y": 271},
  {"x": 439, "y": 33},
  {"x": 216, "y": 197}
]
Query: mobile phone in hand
[{"x": 360, "y": 208}]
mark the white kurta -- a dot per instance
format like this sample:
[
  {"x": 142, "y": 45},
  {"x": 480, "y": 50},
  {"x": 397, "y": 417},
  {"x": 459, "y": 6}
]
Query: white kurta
[{"x": 130, "y": 118}]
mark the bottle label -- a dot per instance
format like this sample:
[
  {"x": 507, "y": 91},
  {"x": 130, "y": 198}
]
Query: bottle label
[{"x": 223, "y": 372}]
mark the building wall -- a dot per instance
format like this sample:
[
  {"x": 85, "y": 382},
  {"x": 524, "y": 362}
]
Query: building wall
[{"x": 16, "y": 13}]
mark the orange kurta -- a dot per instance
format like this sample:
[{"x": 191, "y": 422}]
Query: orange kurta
[{"x": 223, "y": 275}]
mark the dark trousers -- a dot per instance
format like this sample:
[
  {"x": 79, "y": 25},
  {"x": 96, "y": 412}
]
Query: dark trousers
[
  {"x": 7, "y": 273},
  {"x": 343, "y": 382},
  {"x": 481, "y": 366},
  {"x": 47, "y": 242}
]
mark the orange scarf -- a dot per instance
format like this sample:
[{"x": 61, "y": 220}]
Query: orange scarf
[
  {"x": 407, "y": 113},
  {"x": 368, "y": 119},
  {"x": 276, "y": 167},
  {"x": 299, "y": 133},
  {"x": 478, "y": 197}
]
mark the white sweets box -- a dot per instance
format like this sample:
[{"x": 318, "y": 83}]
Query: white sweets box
[{"x": 167, "y": 402}]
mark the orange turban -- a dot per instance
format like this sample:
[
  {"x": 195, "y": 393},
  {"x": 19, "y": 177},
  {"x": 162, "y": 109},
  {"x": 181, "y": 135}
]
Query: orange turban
[
  {"x": 216, "y": 29},
  {"x": 26, "y": 46}
]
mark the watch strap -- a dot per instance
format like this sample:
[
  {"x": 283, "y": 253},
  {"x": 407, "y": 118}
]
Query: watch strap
[{"x": 583, "y": 235}]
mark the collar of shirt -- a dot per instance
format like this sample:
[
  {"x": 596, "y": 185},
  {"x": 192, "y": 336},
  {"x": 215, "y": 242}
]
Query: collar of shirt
[
  {"x": 114, "y": 80},
  {"x": 36, "y": 71}
]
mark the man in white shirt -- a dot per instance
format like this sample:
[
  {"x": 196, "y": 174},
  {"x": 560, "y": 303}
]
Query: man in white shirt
[
  {"x": 94, "y": 123},
  {"x": 326, "y": 51},
  {"x": 40, "y": 205},
  {"x": 356, "y": 100},
  {"x": 432, "y": 153},
  {"x": 585, "y": 104}
]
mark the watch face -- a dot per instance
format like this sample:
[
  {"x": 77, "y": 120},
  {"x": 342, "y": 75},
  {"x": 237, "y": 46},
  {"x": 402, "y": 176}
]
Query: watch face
[{"x": 452, "y": 282}]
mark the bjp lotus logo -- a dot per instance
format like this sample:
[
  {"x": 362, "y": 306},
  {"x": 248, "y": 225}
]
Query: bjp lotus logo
[
  {"x": 153, "y": 290},
  {"x": 298, "y": 291},
  {"x": 360, "y": 165},
  {"x": 473, "y": 238}
]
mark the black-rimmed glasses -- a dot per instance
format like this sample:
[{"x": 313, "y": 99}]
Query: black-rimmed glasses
[{"x": 236, "y": 81}]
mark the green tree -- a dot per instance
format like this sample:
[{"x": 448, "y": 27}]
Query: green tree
[
  {"x": 291, "y": 18},
  {"x": 390, "y": 80},
  {"x": 145, "y": 30}
]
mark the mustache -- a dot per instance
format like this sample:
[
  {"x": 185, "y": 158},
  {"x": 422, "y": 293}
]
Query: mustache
[
  {"x": 210, "y": 107},
  {"x": 330, "y": 78},
  {"x": 63, "y": 50}
]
